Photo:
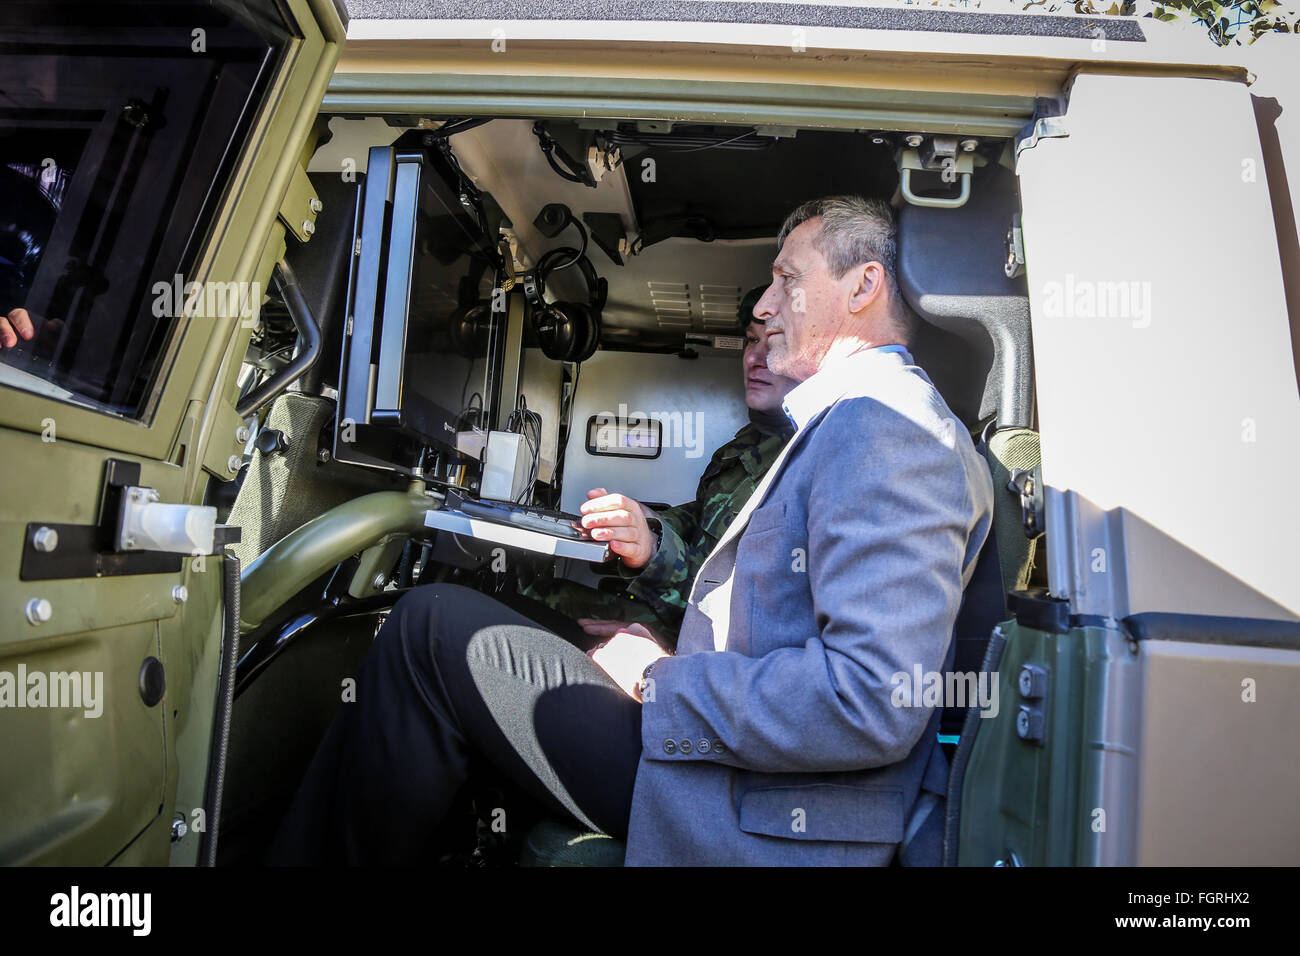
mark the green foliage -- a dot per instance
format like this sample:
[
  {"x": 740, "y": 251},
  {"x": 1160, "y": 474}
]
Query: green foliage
[{"x": 1231, "y": 21}]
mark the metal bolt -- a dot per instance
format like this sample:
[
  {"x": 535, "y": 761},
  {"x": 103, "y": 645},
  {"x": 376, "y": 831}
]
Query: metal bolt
[
  {"x": 308, "y": 227},
  {"x": 233, "y": 463},
  {"x": 179, "y": 829},
  {"x": 968, "y": 145},
  {"x": 379, "y": 582},
  {"x": 45, "y": 539},
  {"x": 324, "y": 456},
  {"x": 1032, "y": 681},
  {"x": 130, "y": 542},
  {"x": 914, "y": 140},
  {"x": 39, "y": 611},
  {"x": 180, "y": 594},
  {"x": 877, "y": 139},
  {"x": 153, "y": 496},
  {"x": 135, "y": 494},
  {"x": 241, "y": 434},
  {"x": 135, "y": 114},
  {"x": 315, "y": 204},
  {"x": 1029, "y": 724}
]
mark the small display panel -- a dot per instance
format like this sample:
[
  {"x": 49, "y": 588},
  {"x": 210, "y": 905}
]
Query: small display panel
[{"x": 615, "y": 436}]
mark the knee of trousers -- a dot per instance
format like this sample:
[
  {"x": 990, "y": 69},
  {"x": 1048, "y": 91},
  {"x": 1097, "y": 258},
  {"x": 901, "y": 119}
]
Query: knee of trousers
[{"x": 428, "y": 618}]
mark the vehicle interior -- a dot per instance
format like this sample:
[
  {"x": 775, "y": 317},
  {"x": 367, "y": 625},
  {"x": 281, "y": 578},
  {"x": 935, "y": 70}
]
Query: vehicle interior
[{"x": 550, "y": 279}]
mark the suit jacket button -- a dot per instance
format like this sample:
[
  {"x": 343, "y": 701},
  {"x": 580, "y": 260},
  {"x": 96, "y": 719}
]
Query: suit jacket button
[
  {"x": 703, "y": 745},
  {"x": 684, "y": 746},
  {"x": 719, "y": 747},
  {"x": 670, "y": 747}
]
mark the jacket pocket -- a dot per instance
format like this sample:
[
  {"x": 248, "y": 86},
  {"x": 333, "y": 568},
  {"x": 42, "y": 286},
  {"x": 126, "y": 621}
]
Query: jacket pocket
[
  {"x": 825, "y": 811},
  {"x": 770, "y": 516}
]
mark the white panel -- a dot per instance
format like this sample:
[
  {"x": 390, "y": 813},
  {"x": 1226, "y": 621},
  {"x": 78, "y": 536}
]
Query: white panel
[
  {"x": 1179, "y": 410},
  {"x": 701, "y": 403},
  {"x": 351, "y": 139},
  {"x": 1219, "y": 783},
  {"x": 541, "y": 383}
]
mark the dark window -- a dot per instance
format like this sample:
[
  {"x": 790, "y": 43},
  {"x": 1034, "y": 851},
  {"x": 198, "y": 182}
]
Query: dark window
[{"x": 119, "y": 126}]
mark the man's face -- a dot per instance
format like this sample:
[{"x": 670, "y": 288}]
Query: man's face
[
  {"x": 804, "y": 308},
  {"x": 764, "y": 389}
]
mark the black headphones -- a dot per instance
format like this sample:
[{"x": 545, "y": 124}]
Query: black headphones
[
  {"x": 566, "y": 331},
  {"x": 469, "y": 327}
]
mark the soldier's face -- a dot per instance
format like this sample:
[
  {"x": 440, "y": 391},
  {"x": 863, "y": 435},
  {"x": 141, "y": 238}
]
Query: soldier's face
[{"x": 764, "y": 389}]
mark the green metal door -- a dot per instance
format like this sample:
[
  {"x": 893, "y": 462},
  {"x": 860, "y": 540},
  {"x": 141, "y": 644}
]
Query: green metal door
[{"x": 147, "y": 156}]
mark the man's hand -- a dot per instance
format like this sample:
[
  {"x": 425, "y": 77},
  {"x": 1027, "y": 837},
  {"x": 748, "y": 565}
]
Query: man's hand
[
  {"x": 626, "y": 655},
  {"x": 621, "y": 521},
  {"x": 17, "y": 324},
  {"x": 603, "y": 629}
]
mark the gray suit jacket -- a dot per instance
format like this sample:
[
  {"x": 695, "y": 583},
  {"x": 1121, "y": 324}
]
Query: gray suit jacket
[{"x": 770, "y": 738}]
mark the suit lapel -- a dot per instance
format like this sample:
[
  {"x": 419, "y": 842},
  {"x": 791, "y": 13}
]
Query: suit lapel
[{"x": 711, "y": 590}]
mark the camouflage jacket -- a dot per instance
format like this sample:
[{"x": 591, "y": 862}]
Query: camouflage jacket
[
  {"x": 658, "y": 593},
  {"x": 691, "y": 530}
]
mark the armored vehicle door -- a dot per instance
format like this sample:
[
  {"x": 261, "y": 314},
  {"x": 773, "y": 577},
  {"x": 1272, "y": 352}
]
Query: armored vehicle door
[
  {"x": 149, "y": 182},
  {"x": 1149, "y": 695}
]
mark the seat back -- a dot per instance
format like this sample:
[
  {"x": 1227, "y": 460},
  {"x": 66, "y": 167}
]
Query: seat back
[
  {"x": 974, "y": 339},
  {"x": 974, "y": 344}
]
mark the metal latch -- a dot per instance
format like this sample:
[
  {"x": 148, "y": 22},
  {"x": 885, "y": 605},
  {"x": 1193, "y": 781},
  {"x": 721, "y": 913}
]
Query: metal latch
[
  {"x": 1027, "y": 483},
  {"x": 1015, "y": 264}
]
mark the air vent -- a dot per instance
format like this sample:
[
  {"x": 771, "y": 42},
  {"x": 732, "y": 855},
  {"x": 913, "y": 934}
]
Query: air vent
[
  {"x": 679, "y": 306},
  {"x": 719, "y": 305},
  {"x": 672, "y": 304}
]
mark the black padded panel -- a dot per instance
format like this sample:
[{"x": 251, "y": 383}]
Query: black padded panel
[
  {"x": 975, "y": 341},
  {"x": 283, "y": 491},
  {"x": 321, "y": 265}
]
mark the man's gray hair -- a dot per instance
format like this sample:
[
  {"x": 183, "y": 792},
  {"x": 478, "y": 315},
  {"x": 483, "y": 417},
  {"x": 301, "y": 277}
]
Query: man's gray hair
[{"x": 855, "y": 230}]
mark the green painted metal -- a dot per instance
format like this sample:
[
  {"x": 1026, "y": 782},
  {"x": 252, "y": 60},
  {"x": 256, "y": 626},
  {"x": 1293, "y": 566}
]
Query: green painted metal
[
  {"x": 300, "y": 557},
  {"x": 1039, "y": 805},
  {"x": 762, "y": 104},
  {"x": 95, "y": 790}
]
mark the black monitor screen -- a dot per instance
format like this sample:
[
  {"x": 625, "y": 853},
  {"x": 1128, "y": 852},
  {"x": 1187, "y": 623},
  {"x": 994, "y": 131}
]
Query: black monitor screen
[
  {"x": 417, "y": 367},
  {"x": 447, "y": 324}
]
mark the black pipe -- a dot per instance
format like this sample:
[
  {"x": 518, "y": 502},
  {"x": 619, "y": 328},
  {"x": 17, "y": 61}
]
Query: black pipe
[
  {"x": 309, "y": 338},
  {"x": 225, "y": 704}
]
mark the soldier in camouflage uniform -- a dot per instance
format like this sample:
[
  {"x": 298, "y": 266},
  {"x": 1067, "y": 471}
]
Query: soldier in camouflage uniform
[{"x": 657, "y": 593}]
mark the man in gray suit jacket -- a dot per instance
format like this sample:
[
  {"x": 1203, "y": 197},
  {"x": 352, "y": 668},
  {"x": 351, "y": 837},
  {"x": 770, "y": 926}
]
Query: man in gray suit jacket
[
  {"x": 774, "y": 723},
  {"x": 772, "y": 736}
]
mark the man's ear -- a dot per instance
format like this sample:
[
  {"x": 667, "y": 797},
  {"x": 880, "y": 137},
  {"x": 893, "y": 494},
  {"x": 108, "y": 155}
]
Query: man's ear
[{"x": 868, "y": 286}]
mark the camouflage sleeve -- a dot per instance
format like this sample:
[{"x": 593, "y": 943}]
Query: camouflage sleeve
[{"x": 665, "y": 581}]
